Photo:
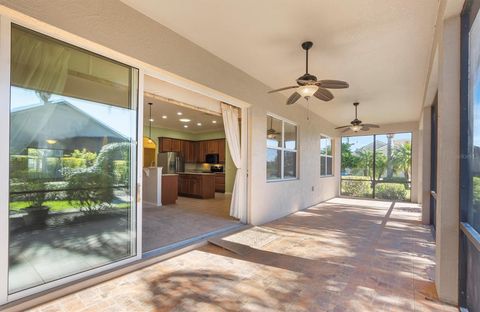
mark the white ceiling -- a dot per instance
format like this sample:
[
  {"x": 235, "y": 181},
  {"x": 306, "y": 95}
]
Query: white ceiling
[
  {"x": 161, "y": 108},
  {"x": 381, "y": 47}
]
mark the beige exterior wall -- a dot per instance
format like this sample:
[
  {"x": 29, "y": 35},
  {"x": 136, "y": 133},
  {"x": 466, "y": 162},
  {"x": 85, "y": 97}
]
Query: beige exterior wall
[
  {"x": 118, "y": 27},
  {"x": 448, "y": 171}
]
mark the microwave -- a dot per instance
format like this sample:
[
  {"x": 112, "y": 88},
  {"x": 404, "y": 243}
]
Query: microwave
[{"x": 211, "y": 158}]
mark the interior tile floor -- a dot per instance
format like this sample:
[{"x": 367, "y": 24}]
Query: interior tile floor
[
  {"x": 341, "y": 255},
  {"x": 188, "y": 218}
]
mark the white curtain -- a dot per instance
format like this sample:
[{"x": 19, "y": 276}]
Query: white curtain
[{"x": 232, "y": 132}]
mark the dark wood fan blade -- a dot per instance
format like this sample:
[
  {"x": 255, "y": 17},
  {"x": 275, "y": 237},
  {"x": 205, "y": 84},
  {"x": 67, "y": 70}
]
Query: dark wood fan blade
[
  {"x": 281, "y": 89},
  {"x": 293, "y": 98},
  {"x": 371, "y": 126},
  {"x": 323, "y": 94},
  {"x": 365, "y": 128},
  {"x": 333, "y": 84},
  {"x": 342, "y": 127}
]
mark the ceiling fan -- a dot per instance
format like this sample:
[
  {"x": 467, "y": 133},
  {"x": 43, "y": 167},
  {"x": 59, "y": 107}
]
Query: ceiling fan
[
  {"x": 356, "y": 124},
  {"x": 308, "y": 85}
]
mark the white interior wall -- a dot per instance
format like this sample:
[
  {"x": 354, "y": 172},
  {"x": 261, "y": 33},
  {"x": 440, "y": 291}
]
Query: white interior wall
[{"x": 120, "y": 28}]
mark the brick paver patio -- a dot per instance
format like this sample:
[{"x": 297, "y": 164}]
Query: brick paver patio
[{"x": 342, "y": 255}]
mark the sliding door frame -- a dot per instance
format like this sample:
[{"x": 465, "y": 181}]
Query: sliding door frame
[
  {"x": 9, "y": 16},
  {"x": 6, "y": 23},
  {"x": 4, "y": 153}
]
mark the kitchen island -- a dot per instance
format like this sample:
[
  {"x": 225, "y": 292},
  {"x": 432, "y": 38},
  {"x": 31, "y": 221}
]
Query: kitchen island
[{"x": 196, "y": 185}]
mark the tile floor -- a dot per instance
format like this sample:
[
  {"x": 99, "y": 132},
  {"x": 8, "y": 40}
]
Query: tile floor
[
  {"x": 188, "y": 218},
  {"x": 342, "y": 255}
]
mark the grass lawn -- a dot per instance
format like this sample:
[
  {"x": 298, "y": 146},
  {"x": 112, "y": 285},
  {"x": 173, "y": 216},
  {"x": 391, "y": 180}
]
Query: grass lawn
[{"x": 58, "y": 205}]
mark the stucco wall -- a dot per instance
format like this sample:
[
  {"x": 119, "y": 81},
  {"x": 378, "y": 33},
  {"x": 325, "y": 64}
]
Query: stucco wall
[{"x": 117, "y": 26}]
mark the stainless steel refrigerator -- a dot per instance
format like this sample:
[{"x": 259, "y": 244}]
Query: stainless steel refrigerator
[{"x": 172, "y": 162}]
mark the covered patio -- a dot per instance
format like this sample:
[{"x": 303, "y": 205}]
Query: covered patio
[{"x": 377, "y": 252}]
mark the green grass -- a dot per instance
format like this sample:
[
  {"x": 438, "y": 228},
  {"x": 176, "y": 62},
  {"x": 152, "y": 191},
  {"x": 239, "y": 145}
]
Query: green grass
[{"x": 57, "y": 205}]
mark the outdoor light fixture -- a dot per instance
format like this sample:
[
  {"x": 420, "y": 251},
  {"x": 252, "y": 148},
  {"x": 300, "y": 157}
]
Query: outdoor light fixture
[
  {"x": 307, "y": 90},
  {"x": 185, "y": 126},
  {"x": 164, "y": 116},
  {"x": 184, "y": 120},
  {"x": 179, "y": 113},
  {"x": 51, "y": 141},
  {"x": 214, "y": 121},
  {"x": 356, "y": 128},
  {"x": 199, "y": 123}
]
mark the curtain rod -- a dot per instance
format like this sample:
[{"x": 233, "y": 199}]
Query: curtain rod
[{"x": 183, "y": 104}]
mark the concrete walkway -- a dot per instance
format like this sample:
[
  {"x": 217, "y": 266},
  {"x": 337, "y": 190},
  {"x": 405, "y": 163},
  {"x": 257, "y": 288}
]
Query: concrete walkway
[{"x": 342, "y": 255}]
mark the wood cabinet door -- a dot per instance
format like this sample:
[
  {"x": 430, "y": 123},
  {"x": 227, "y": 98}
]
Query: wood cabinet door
[
  {"x": 165, "y": 144},
  {"x": 212, "y": 147},
  {"x": 221, "y": 151},
  {"x": 202, "y": 151},
  {"x": 176, "y": 145}
]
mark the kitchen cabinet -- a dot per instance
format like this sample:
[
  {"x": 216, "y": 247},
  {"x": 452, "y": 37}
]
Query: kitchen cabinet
[
  {"x": 169, "y": 189},
  {"x": 165, "y": 144},
  {"x": 212, "y": 146},
  {"x": 176, "y": 145},
  {"x": 193, "y": 151},
  {"x": 197, "y": 185},
  {"x": 220, "y": 182},
  {"x": 221, "y": 151}
]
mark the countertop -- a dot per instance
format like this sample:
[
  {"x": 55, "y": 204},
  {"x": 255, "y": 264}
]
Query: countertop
[
  {"x": 169, "y": 174},
  {"x": 197, "y": 173}
]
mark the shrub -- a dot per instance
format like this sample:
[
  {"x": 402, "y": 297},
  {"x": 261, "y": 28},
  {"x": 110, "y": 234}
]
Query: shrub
[
  {"x": 391, "y": 191},
  {"x": 358, "y": 186},
  {"x": 91, "y": 191}
]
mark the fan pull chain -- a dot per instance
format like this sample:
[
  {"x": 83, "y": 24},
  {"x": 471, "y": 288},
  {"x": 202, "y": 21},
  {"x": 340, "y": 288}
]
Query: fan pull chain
[{"x": 308, "y": 109}]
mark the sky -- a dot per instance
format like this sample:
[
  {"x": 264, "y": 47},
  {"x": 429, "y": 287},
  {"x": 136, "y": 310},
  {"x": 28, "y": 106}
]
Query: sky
[
  {"x": 361, "y": 141},
  {"x": 116, "y": 118}
]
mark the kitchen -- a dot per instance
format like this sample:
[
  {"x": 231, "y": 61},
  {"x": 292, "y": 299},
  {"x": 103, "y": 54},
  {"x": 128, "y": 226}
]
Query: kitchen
[{"x": 188, "y": 173}]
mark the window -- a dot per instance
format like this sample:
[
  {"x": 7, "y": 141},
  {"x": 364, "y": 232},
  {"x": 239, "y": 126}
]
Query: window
[
  {"x": 282, "y": 147},
  {"x": 326, "y": 157}
]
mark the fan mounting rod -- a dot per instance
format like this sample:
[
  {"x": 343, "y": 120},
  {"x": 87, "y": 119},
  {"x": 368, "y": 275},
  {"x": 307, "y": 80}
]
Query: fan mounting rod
[
  {"x": 356, "y": 105},
  {"x": 307, "y": 45}
]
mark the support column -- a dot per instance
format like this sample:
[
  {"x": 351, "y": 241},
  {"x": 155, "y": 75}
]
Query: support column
[
  {"x": 448, "y": 165},
  {"x": 426, "y": 163}
]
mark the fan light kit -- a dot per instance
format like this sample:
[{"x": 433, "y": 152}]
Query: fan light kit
[
  {"x": 356, "y": 124},
  {"x": 308, "y": 85}
]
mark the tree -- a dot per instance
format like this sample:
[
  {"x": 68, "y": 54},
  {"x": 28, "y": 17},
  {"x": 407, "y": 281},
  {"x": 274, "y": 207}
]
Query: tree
[
  {"x": 380, "y": 164},
  {"x": 349, "y": 160},
  {"x": 402, "y": 159},
  {"x": 366, "y": 162}
]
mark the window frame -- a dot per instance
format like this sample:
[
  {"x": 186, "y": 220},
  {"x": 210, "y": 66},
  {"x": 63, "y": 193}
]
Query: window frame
[
  {"x": 283, "y": 149},
  {"x": 326, "y": 155}
]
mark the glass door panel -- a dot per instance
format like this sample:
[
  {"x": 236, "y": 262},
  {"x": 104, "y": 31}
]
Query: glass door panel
[{"x": 72, "y": 161}]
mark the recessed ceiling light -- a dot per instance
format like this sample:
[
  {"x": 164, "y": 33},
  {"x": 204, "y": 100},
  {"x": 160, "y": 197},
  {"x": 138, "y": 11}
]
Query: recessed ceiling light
[
  {"x": 185, "y": 126},
  {"x": 214, "y": 121},
  {"x": 199, "y": 123},
  {"x": 151, "y": 120},
  {"x": 179, "y": 113},
  {"x": 164, "y": 116},
  {"x": 184, "y": 120}
]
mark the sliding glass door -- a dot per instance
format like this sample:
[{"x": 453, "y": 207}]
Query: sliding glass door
[
  {"x": 72, "y": 148},
  {"x": 377, "y": 166}
]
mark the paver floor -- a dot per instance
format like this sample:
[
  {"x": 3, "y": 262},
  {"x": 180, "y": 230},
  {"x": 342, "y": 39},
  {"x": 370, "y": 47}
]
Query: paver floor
[{"x": 341, "y": 255}]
